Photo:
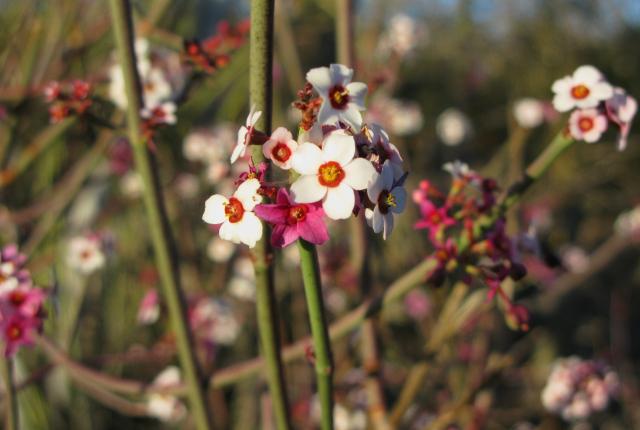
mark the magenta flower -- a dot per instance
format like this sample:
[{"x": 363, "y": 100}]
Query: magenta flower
[
  {"x": 292, "y": 221},
  {"x": 24, "y": 300},
  {"x": 18, "y": 330},
  {"x": 434, "y": 219}
]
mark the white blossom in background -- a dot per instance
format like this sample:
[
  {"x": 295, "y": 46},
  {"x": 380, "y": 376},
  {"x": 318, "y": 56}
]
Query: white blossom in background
[
  {"x": 529, "y": 112},
  {"x": 628, "y": 223},
  {"x": 200, "y": 146},
  {"x": 161, "y": 113},
  {"x": 84, "y": 254},
  {"x": 453, "y": 127},
  {"x": 457, "y": 169},
  {"x": 575, "y": 259},
  {"x": 149, "y": 309},
  {"x": 166, "y": 407},
  {"x": 155, "y": 87},
  {"x": 219, "y": 250},
  {"x": 586, "y": 88},
  {"x": 343, "y": 418},
  {"x": 187, "y": 186},
  {"x": 402, "y": 36},
  {"x": 400, "y": 117},
  {"x": 213, "y": 320},
  {"x": 243, "y": 280},
  {"x": 131, "y": 185}
]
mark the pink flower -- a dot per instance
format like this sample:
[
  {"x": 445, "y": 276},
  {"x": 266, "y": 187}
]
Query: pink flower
[
  {"x": 280, "y": 147},
  {"x": 434, "y": 218},
  {"x": 587, "y": 125},
  {"x": 621, "y": 108},
  {"x": 293, "y": 220},
  {"x": 149, "y": 309},
  {"x": 25, "y": 300},
  {"x": 17, "y": 330}
]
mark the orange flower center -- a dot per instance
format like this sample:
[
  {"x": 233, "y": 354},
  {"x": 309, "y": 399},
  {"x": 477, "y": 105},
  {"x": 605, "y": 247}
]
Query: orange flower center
[
  {"x": 330, "y": 174},
  {"x": 297, "y": 214},
  {"x": 585, "y": 124},
  {"x": 234, "y": 210},
  {"x": 580, "y": 92},
  {"x": 14, "y": 332},
  {"x": 17, "y": 298},
  {"x": 281, "y": 152},
  {"x": 339, "y": 97}
]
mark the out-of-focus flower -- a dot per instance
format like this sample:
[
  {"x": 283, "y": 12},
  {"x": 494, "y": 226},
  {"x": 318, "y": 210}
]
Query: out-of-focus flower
[
  {"x": 149, "y": 309},
  {"x": 213, "y": 321},
  {"x": 220, "y": 251},
  {"x": 292, "y": 221},
  {"x": 245, "y": 133},
  {"x": 331, "y": 174},
  {"x": 402, "y": 35},
  {"x": 85, "y": 254},
  {"x": 575, "y": 259},
  {"x": 621, "y": 109},
  {"x": 417, "y": 304},
  {"x": 187, "y": 186},
  {"x": 577, "y": 388},
  {"x": 343, "y": 418},
  {"x": 239, "y": 223},
  {"x": 528, "y": 112},
  {"x": 342, "y": 100},
  {"x": 166, "y": 407},
  {"x": 400, "y": 117},
  {"x": 163, "y": 113},
  {"x": 388, "y": 197},
  {"x": 243, "y": 282},
  {"x": 457, "y": 169},
  {"x": 131, "y": 185},
  {"x": 587, "y": 125},
  {"x": 280, "y": 147},
  {"x": 628, "y": 223},
  {"x": 586, "y": 88},
  {"x": 453, "y": 127}
]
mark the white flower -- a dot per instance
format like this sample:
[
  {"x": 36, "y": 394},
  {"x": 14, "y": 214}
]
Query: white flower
[
  {"x": 587, "y": 125},
  {"x": 331, "y": 174},
  {"x": 342, "y": 99},
  {"x": 586, "y": 88},
  {"x": 388, "y": 198},
  {"x": 628, "y": 223},
  {"x": 131, "y": 185},
  {"x": 244, "y": 135},
  {"x": 166, "y": 407},
  {"x": 457, "y": 169},
  {"x": 453, "y": 127},
  {"x": 155, "y": 86},
  {"x": 243, "y": 281},
  {"x": 163, "y": 113},
  {"x": 280, "y": 147},
  {"x": 528, "y": 112},
  {"x": 219, "y": 250},
  {"x": 215, "y": 321},
  {"x": 239, "y": 223},
  {"x": 402, "y": 34},
  {"x": 85, "y": 254}
]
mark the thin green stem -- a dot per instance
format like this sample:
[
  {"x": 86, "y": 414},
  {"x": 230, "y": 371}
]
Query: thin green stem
[
  {"x": 261, "y": 89},
  {"x": 319, "y": 331},
  {"x": 164, "y": 249},
  {"x": 12, "y": 418}
]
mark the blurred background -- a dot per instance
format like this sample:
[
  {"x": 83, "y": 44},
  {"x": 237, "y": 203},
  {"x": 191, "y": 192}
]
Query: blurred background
[{"x": 468, "y": 80}]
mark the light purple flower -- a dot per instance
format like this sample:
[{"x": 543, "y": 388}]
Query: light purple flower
[{"x": 621, "y": 108}]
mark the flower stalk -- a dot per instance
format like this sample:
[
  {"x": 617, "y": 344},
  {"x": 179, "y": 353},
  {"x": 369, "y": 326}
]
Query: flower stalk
[
  {"x": 319, "y": 331},
  {"x": 12, "y": 419},
  {"x": 261, "y": 89},
  {"x": 164, "y": 249}
]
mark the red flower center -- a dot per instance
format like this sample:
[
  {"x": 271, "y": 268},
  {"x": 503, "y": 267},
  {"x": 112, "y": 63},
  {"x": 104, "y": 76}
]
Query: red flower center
[
  {"x": 435, "y": 217},
  {"x": 585, "y": 123},
  {"x": 234, "y": 210},
  {"x": 338, "y": 96},
  {"x": 14, "y": 332},
  {"x": 17, "y": 297},
  {"x": 330, "y": 174},
  {"x": 297, "y": 214},
  {"x": 580, "y": 92},
  {"x": 281, "y": 152}
]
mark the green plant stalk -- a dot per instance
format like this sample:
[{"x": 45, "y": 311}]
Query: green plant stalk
[
  {"x": 12, "y": 409},
  {"x": 164, "y": 250},
  {"x": 261, "y": 93},
  {"x": 319, "y": 331}
]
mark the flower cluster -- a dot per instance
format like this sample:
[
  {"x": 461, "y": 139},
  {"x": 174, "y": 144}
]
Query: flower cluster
[
  {"x": 596, "y": 103},
  {"x": 67, "y": 99},
  {"x": 21, "y": 310},
  {"x": 577, "y": 388},
  {"x": 464, "y": 243},
  {"x": 213, "y": 53},
  {"x": 339, "y": 166}
]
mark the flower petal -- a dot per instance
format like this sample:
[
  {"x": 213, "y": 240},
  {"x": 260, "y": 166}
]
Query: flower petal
[
  {"x": 400, "y": 195},
  {"x": 248, "y": 195},
  {"x": 387, "y": 225},
  {"x": 340, "y": 74},
  {"x": 357, "y": 92},
  {"x": 587, "y": 74},
  {"x": 359, "y": 173},
  {"x": 375, "y": 188},
  {"x": 249, "y": 229},
  {"x": 562, "y": 85},
  {"x": 352, "y": 116},
  {"x": 339, "y": 202},
  {"x": 320, "y": 78},
  {"x": 377, "y": 223},
  {"x": 229, "y": 231},
  {"x": 339, "y": 146},
  {"x": 563, "y": 102},
  {"x": 313, "y": 229},
  {"x": 214, "y": 209},
  {"x": 602, "y": 91},
  {"x": 274, "y": 214},
  {"x": 306, "y": 159},
  {"x": 307, "y": 189},
  {"x": 387, "y": 175}
]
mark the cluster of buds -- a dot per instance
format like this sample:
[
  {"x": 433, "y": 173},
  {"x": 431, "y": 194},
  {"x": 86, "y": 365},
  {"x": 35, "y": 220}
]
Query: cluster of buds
[
  {"x": 464, "y": 243},
  {"x": 67, "y": 99},
  {"x": 213, "y": 53},
  {"x": 596, "y": 103},
  {"x": 339, "y": 166},
  {"x": 577, "y": 388},
  {"x": 21, "y": 312}
]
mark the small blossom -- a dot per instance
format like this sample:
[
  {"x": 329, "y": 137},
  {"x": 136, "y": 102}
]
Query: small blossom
[
  {"x": 528, "y": 112},
  {"x": 243, "y": 280},
  {"x": 342, "y": 100},
  {"x": 280, "y": 147},
  {"x": 587, "y": 125},
  {"x": 239, "y": 223},
  {"x": 628, "y": 223},
  {"x": 85, "y": 254},
  {"x": 166, "y": 407},
  {"x": 17, "y": 331},
  {"x": 586, "y": 88},
  {"x": 331, "y": 174},
  {"x": 453, "y": 127},
  {"x": 457, "y": 169},
  {"x": 245, "y": 134},
  {"x": 164, "y": 113},
  {"x": 292, "y": 221},
  {"x": 220, "y": 251},
  {"x": 389, "y": 198},
  {"x": 214, "y": 322},
  {"x": 149, "y": 309},
  {"x": 621, "y": 108},
  {"x": 435, "y": 219}
]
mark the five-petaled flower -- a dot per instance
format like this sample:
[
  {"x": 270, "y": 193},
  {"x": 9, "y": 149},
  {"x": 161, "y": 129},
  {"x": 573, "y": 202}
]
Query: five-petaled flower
[
  {"x": 587, "y": 124},
  {"x": 280, "y": 147},
  {"x": 389, "y": 198},
  {"x": 239, "y": 223},
  {"x": 292, "y": 220},
  {"x": 342, "y": 100},
  {"x": 586, "y": 88},
  {"x": 244, "y": 134},
  {"x": 331, "y": 174}
]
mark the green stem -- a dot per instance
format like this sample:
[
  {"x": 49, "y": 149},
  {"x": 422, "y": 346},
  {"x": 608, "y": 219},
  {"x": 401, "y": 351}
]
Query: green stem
[
  {"x": 12, "y": 421},
  {"x": 319, "y": 331},
  {"x": 261, "y": 89},
  {"x": 164, "y": 249}
]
